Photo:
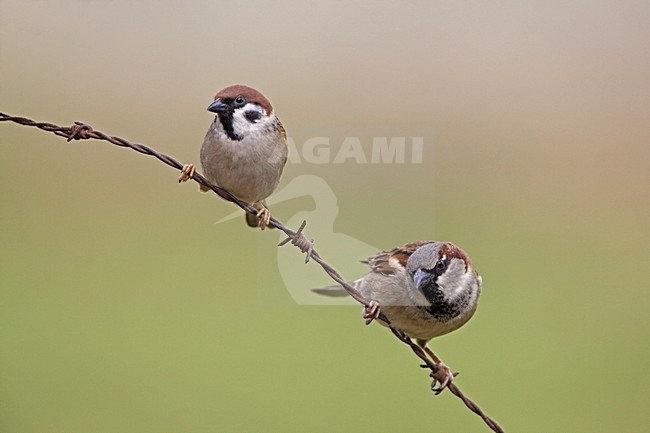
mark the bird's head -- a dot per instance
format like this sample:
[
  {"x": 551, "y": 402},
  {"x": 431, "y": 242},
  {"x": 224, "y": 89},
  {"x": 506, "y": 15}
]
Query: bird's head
[
  {"x": 442, "y": 272},
  {"x": 243, "y": 111}
]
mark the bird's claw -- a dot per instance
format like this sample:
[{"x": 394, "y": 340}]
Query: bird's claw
[
  {"x": 264, "y": 216},
  {"x": 186, "y": 173},
  {"x": 371, "y": 312},
  {"x": 442, "y": 375}
]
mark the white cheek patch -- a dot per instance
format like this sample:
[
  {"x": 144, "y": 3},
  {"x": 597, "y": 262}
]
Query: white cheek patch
[
  {"x": 465, "y": 281},
  {"x": 455, "y": 280},
  {"x": 243, "y": 126}
]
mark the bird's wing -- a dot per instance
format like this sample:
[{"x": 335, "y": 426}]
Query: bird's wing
[
  {"x": 394, "y": 260},
  {"x": 283, "y": 132},
  {"x": 389, "y": 262},
  {"x": 285, "y": 148}
]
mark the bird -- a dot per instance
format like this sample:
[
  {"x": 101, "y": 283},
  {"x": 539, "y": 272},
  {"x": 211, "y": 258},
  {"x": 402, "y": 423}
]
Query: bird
[
  {"x": 424, "y": 288},
  {"x": 244, "y": 150}
]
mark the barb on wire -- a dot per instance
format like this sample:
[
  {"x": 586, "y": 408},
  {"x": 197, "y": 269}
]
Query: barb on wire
[
  {"x": 299, "y": 240},
  {"x": 82, "y": 131}
]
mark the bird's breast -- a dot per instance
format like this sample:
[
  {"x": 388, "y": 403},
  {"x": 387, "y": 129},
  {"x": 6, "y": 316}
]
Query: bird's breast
[{"x": 250, "y": 168}]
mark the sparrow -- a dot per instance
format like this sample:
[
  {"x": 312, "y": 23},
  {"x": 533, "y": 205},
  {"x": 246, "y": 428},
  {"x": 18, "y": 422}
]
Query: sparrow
[
  {"x": 425, "y": 289},
  {"x": 244, "y": 150}
]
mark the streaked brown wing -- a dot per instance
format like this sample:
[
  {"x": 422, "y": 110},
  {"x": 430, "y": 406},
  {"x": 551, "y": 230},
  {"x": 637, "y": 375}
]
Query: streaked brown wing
[
  {"x": 283, "y": 133},
  {"x": 391, "y": 261}
]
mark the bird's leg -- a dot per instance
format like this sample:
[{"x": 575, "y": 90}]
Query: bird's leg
[
  {"x": 442, "y": 375},
  {"x": 186, "y": 173},
  {"x": 264, "y": 215},
  {"x": 371, "y": 312},
  {"x": 431, "y": 354}
]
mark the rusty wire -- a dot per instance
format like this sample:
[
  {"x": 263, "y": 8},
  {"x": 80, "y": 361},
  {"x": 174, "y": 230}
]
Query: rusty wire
[{"x": 82, "y": 131}]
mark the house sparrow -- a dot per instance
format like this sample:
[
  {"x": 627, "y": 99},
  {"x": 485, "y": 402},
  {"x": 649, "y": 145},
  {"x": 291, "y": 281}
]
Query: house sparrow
[
  {"x": 425, "y": 288},
  {"x": 244, "y": 150}
]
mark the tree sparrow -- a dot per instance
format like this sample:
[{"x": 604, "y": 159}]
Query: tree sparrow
[
  {"x": 425, "y": 288},
  {"x": 244, "y": 150}
]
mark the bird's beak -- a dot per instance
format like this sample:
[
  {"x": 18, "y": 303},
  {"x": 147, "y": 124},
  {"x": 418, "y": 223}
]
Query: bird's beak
[
  {"x": 218, "y": 107},
  {"x": 420, "y": 276}
]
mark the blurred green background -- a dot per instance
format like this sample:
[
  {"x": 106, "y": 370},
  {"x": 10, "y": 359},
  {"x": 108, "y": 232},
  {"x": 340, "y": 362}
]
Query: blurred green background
[{"x": 124, "y": 308}]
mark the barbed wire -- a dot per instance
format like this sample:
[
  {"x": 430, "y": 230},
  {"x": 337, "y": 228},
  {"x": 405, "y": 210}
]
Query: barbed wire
[{"x": 82, "y": 131}]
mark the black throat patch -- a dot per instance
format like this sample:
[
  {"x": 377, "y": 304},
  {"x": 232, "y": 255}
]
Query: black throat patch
[
  {"x": 226, "y": 122},
  {"x": 441, "y": 308}
]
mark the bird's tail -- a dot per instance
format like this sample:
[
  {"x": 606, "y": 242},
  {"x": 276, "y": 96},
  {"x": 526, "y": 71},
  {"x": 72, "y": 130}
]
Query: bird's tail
[{"x": 335, "y": 291}]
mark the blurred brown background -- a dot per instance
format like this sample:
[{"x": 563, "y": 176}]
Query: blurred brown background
[{"x": 124, "y": 308}]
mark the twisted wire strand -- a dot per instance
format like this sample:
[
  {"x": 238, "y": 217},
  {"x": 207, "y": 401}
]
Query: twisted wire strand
[{"x": 82, "y": 131}]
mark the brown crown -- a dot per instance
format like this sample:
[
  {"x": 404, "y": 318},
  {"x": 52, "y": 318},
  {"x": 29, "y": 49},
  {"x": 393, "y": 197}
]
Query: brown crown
[
  {"x": 452, "y": 251},
  {"x": 251, "y": 95}
]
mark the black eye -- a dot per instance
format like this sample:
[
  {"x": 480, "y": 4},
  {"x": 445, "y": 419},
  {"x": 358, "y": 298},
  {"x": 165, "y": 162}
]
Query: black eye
[
  {"x": 441, "y": 266},
  {"x": 240, "y": 101}
]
